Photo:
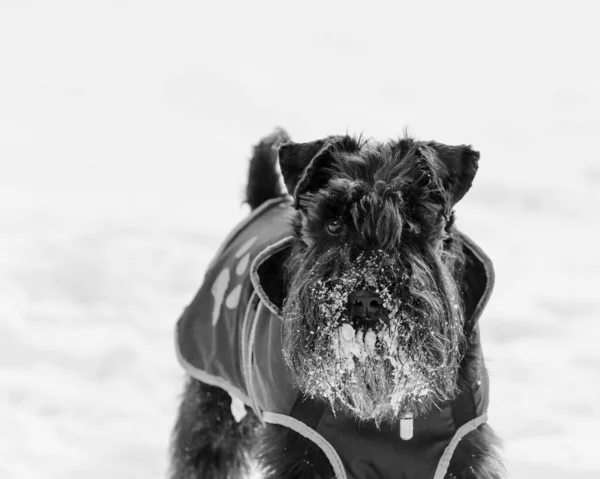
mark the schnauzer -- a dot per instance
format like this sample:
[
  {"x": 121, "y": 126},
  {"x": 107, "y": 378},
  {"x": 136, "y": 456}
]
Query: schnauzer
[{"x": 336, "y": 332}]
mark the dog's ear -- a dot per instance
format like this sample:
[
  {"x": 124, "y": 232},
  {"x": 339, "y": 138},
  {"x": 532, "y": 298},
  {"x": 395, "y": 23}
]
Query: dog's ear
[
  {"x": 456, "y": 167},
  {"x": 301, "y": 164}
]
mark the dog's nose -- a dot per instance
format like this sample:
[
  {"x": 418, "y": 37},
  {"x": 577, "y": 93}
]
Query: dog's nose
[{"x": 364, "y": 304}]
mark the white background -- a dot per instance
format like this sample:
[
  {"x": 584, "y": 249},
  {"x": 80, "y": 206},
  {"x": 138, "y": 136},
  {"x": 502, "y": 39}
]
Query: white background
[{"x": 125, "y": 129}]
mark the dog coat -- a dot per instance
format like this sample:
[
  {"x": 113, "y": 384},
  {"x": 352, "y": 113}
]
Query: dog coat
[{"x": 230, "y": 336}]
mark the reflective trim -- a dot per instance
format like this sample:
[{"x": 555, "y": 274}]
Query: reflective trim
[
  {"x": 462, "y": 431},
  {"x": 248, "y": 371},
  {"x": 269, "y": 417},
  {"x": 242, "y": 224},
  {"x": 246, "y": 351},
  {"x": 204, "y": 377},
  {"x": 312, "y": 435},
  {"x": 258, "y": 261}
]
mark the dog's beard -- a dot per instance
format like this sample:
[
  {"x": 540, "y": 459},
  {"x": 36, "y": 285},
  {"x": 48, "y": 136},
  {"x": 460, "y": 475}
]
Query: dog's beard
[{"x": 402, "y": 362}]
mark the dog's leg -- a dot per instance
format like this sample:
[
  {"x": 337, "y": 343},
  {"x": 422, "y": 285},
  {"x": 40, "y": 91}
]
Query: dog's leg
[
  {"x": 207, "y": 441},
  {"x": 283, "y": 453},
  {"x": 476, "y": 456}
]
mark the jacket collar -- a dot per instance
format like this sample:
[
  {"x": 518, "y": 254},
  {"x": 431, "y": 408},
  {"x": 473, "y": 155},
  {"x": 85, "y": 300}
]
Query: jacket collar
[
  {"x": 267, "y": 261},
  {"x": 479, "y": 274}
]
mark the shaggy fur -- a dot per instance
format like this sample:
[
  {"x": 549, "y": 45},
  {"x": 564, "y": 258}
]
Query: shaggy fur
[
  {"x": 387, "y": 199},
  {"x": 363, "y": 207},
  {"x": 207, "y": 441}
]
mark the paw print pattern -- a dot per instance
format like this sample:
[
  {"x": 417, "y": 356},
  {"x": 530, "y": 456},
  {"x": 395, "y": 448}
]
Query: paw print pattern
[
  {"x": 218, "y": 290},
  {"x": 234, "y": 297},
  {"x": 221, "y": 284}
]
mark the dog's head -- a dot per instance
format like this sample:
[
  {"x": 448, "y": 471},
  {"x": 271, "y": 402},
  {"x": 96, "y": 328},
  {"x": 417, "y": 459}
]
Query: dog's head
[{"x": 373, "y": 317}]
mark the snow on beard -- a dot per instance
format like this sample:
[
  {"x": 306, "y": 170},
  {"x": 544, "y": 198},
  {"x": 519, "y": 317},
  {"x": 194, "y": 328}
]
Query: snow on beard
[{"x": 381, "y": 369}]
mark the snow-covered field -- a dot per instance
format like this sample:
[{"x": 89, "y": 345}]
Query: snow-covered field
[{"x": 125, "y": 127}]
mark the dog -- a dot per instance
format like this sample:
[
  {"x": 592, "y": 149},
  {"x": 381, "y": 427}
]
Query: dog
[{"x": 336, "y": 332}]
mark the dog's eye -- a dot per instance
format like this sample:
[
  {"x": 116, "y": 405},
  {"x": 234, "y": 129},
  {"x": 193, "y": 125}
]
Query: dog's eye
[{"x": 334, "y": 227}]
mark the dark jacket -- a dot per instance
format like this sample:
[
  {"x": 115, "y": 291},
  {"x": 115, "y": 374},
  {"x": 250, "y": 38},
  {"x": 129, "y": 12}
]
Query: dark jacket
[{"x": 230, "y": 337}]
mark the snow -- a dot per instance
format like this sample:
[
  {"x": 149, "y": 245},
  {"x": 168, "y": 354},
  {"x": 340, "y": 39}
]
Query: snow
[{"x": 125, "y": 130}]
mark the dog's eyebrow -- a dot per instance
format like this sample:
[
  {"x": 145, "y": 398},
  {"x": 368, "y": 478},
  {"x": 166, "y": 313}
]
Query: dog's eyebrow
[
  {"x": 354, "y": 158},
  {"x": 347, "y": 189}
]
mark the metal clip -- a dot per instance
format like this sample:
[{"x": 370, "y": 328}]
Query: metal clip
[{"x": 406, "y": 427}]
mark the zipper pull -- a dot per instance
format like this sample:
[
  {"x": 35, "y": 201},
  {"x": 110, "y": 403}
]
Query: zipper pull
[{"x": 406, "y": 427}]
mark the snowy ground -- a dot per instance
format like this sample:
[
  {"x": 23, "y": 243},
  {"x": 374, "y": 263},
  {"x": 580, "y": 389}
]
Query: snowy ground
[{"x": 124, "y": 132}]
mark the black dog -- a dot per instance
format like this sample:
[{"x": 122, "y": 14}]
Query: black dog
[{"x": 336, "y": 332}]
